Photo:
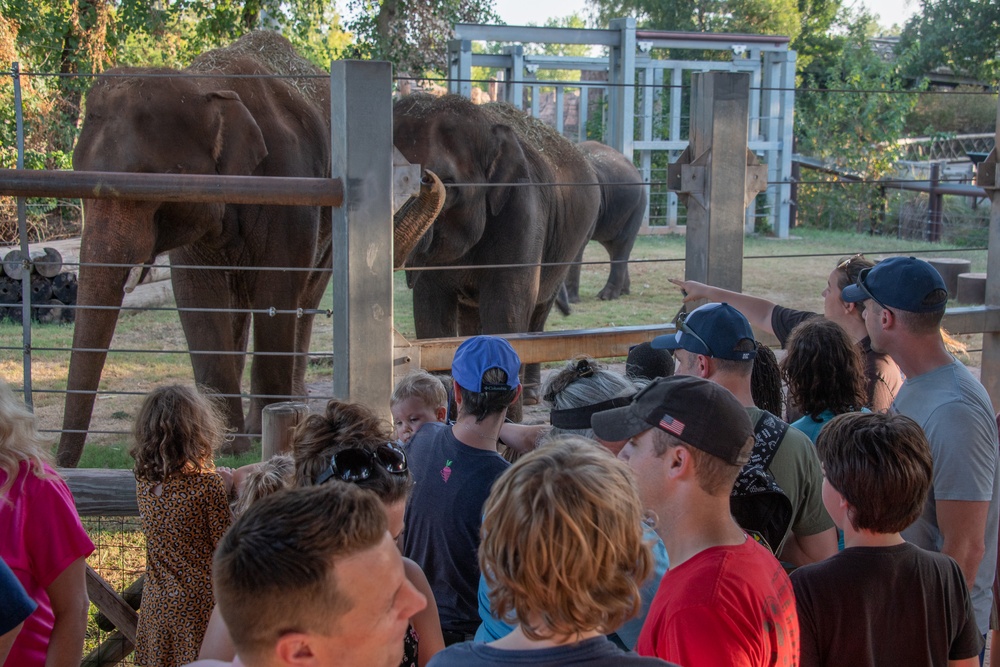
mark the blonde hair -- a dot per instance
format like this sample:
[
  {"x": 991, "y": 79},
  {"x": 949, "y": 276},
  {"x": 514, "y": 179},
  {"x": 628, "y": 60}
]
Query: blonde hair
[
  {"x": 562, "y": 541},
  {"x": 19, "y": 439},
  {"x": 176, "y": 432},
  {"x": 272, "y": 475},
  {"x": 421, "y": 385}
]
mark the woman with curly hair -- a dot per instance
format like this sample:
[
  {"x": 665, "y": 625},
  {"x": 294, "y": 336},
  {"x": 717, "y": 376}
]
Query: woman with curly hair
[
  {"x": 824, "y": 373},
  {"x": 184, "y": 505},
  {"x": 42, "y": 541}
]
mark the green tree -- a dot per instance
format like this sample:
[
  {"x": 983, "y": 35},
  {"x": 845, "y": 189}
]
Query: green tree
[
  {"x": 962, "y": 35},
  {"x": 766, "y": 17},
  {"x": 412, "y": 34},
  {"x": 850, "y": 113}
]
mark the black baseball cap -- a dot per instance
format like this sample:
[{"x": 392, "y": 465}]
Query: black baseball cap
[{"x": 700, "y": 413}]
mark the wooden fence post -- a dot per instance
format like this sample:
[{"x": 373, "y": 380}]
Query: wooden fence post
[
  {"x": 278, "y": 423},
  {"x": 718, "y": 177}
]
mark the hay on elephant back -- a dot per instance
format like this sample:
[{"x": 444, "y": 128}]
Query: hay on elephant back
[
  {"x": 277, "y": 55},
  {"x": 556, "y": 148}
]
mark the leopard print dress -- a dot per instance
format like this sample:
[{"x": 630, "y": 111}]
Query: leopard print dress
[{"x": 182, "y": 524}]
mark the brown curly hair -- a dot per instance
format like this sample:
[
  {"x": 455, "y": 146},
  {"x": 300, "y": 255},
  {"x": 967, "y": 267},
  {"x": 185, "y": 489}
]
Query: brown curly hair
[
  {"x": 176, "y": 432},
  {"x": 562, "y": 541},
  {"x": 824, "y": 369},
  {"x": 344, "y": 425}
]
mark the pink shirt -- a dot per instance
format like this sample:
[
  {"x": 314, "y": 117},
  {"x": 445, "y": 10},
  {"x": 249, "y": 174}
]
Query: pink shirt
[{"x": 40, "y": 536}]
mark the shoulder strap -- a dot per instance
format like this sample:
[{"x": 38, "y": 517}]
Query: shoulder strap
[{"x": 768, "y": 433}]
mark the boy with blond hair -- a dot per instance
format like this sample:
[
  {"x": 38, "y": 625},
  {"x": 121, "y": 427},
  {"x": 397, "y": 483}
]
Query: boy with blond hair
[
  {"x": 418, "y": 398},
  {"x": 564, "y": 556},
  {"x": 881, "y": 601}
]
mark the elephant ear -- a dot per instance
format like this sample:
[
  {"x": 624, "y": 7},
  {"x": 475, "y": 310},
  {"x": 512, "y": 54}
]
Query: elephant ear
[
  {"x": 239, "y": 145},
  {"x": 509, "y": 165}
]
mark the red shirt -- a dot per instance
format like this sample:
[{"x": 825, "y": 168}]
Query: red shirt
[{"x": 727, "y": 605}]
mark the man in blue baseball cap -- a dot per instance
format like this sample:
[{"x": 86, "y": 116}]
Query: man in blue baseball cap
[
  {"x": 716, "y": 342},
  {"x": 905, "y": 301},
  {"x": 453, "y": 468}
]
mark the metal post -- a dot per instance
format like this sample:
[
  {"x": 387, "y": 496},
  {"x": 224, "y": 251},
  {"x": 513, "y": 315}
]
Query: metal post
[
  {"x": 622, "y": 91},
  {"x": 934, "y": 205},
  {"x": 22, "y": 232},
  {"x": 361, "y": 137},
  {"x": 988, "y": 177},
  {"x": 720, "y": 103},
  {"x": 514, "y": 89},
  {"x": 460, "y": 67}
]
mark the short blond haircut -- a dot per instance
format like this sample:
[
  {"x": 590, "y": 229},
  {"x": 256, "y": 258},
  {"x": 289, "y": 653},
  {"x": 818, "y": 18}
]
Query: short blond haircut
[
  {"x": 562, "y": 541},
  {"x": 272, "y": 475},
  {"x": 421, "y": 385}
]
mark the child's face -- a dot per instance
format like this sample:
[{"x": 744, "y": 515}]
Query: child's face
[{"x": 411, "y": 414}]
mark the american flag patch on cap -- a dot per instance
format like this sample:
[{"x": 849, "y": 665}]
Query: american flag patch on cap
[{"x": 672, "y": 425}]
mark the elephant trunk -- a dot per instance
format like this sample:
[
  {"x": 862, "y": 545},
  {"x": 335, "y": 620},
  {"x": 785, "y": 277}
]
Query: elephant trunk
[
  {"x": 416, "y": 216},
  {"x": 101, "y": 289}
]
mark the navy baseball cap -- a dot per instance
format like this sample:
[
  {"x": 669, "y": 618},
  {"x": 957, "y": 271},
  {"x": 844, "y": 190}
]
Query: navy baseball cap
[
  {"x": 479, "y": 354},
  {"x": 905, "y": 283},
  {"x": 713, "y": 330},
  {"x": 700, "y": 413}
]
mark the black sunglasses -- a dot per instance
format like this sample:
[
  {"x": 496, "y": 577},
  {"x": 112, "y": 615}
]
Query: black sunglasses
[
  {"x": 682, "y": 325},
  {"x": 864, "y": 288},
  {"x": 356, "y": 463}
]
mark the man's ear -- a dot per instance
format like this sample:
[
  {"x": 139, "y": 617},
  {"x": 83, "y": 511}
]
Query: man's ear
[
  {"x": 679, "y": 461},
  {"x": 294, "y": 650},
  {"x": 458, "y": 394},
  {"x": 706, "y": 366}
]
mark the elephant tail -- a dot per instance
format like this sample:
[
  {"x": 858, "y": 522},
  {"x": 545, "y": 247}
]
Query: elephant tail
[{"x": 416, "y": 216}]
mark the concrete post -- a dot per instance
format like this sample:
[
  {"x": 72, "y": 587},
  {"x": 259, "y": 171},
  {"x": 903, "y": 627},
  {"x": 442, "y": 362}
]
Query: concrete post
[
  {"x": 988, "y": 178},
  {"x": 361, "y": 136}
]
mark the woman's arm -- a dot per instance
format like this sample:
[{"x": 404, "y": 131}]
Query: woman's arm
[
  {"x": 70, "y": 603},
  {"x": 217, "y": 644},
  {"x": 520, "y": 437},
  {"x": 755, "y": 309},
  {"x": 426, "y": 622}
]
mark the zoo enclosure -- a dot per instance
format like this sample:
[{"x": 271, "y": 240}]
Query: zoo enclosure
[{"x": 643, "y": 97}]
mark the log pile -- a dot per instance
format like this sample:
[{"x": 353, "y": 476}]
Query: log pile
[
  {"x": 51, "y": 288},
  {"x": 53, "y": 267}
]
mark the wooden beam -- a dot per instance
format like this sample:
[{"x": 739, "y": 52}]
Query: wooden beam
[
  {"x": 112, "y": 605},
  {"x": 114, "y": 649},
  {"x": 102, "y": 492},
  {"x": 435, "y": 354}
]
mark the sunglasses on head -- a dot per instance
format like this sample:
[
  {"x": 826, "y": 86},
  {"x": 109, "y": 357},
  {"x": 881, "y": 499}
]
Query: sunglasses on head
[
  {"x": 844, "y": 263},
  {"x": 688, "y": 331},
  {"x": 355, "y": 464}
]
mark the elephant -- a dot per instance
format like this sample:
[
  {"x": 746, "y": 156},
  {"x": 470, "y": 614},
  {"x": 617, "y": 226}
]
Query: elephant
[
  {"x": 521, "y": 203},
  {"x": 623, "y": 207},
  {"x": 227, "y": 259}
]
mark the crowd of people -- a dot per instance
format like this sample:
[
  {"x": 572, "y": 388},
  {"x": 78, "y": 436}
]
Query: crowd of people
[{"x": 667, "y": 515}]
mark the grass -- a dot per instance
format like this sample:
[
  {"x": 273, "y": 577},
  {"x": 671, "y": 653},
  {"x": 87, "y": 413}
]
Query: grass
[{"x": 790, "y": 272}]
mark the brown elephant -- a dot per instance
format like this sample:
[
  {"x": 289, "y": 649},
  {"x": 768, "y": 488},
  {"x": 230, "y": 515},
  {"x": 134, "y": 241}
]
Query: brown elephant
[
  {"x": 623, "y": 206},
  {"x": 221, "y": 254},
  {"x": 518, "y": 195}
]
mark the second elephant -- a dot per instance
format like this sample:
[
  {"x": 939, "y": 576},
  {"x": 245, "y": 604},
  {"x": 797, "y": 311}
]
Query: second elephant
[
  {"x": 623, "y": 206},
  {"x": 521, "y": 203}
]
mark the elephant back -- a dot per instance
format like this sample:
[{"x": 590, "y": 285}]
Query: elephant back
[{"x": 272, "y": 54}]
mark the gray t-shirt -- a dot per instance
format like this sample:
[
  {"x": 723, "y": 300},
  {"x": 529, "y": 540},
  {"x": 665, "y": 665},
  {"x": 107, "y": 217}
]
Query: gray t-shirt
[
  {"x": 955, "y": 412},
  {"x": 594, "y": 652}
]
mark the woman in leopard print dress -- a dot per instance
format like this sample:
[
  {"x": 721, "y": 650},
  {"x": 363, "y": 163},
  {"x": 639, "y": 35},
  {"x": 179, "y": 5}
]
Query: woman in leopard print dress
[{"x": 183, "y": 502}]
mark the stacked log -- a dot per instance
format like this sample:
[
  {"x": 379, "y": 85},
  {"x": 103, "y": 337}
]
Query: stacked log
[
  {"x": 46, "y": 274},
  {"x": 51, "y": 288}
]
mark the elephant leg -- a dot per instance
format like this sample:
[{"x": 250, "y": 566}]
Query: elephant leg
[
  {"x": 506, "y": 299},
  {"x": 315, "y": 288},
  {"x": 435, "y": 309},
  {"x": 211, "y": 333},
  {"x": 619, "y": 249},
  {"x": 468, "y": 319},
  {"x": 274, "y": 343},
  {"x": 573, "y": 278}
]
